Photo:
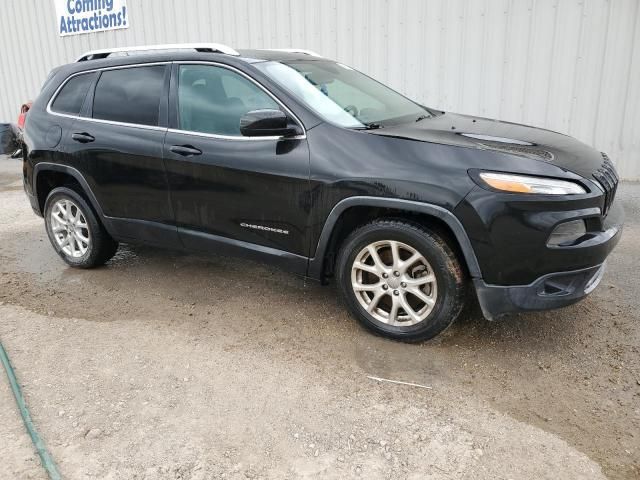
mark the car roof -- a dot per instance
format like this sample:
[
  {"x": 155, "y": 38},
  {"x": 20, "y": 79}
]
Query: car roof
[
  {"x": 247, "y": 56},
  {"x": 277, "y": 55}
]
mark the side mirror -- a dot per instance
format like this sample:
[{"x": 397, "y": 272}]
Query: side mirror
[{"x": 266, "y": 123}]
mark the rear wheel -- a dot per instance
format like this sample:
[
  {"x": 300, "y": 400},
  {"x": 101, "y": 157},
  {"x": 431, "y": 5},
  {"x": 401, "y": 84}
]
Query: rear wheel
[
  {"x": 75, "y": 232},
  {"x": 400, "y": 280}
]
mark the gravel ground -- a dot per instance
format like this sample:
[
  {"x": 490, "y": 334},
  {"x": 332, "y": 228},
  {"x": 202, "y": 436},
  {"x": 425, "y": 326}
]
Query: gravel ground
[{"x": 163, "y": 365}]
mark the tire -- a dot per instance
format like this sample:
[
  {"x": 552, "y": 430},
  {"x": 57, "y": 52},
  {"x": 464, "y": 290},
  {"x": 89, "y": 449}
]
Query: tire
[
  {"x": 98, "y": 248},
  {"x": 435, "y": 272}
]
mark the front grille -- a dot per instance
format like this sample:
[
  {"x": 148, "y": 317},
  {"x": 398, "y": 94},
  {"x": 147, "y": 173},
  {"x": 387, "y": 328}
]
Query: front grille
[{"x": 607, "y": 177}]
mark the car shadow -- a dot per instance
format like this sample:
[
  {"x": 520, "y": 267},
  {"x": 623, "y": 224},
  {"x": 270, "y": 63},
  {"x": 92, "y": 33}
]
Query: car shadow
[{"x": 189, "y": 278}]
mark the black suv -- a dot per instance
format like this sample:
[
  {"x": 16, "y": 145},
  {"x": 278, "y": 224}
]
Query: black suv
[{"x": 304, "y": 162}]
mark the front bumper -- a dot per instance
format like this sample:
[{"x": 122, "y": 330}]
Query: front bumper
[
  {"x": 550, "y": 291},
  {"x": 509, "y": 234},
  {"x": 554, "y": 276}
]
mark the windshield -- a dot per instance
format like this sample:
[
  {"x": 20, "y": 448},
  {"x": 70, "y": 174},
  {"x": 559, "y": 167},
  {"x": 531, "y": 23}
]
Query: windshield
[{"x": 342, "y": 95}]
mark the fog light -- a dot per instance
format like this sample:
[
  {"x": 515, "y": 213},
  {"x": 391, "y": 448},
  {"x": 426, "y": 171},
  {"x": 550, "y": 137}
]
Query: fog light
[{"x": 567, "y": 233}]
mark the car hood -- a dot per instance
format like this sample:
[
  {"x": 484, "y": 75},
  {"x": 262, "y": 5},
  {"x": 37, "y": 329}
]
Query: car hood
[{"x": 512, "y": 138}]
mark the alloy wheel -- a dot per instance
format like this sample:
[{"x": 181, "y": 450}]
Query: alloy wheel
[
  {"x": 394, "y": 283},
  {"x": 70, "y": 228}
]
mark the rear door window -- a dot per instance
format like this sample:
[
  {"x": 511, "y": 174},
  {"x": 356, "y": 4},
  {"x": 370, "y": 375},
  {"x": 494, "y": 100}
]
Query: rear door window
[
  {"x": 129, "y": 95},
  {"x": 72, "y": 95}
]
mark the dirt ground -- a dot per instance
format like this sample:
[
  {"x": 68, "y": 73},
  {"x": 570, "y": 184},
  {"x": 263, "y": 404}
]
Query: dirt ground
[{"x": 163, "y": 365}]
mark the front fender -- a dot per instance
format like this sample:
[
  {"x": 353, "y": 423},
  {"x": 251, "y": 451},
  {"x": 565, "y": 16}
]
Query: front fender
[{"x": 316, "y": 263}]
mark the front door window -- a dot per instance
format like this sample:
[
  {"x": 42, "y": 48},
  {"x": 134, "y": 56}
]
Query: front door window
[{"x": 212, "y": 99}]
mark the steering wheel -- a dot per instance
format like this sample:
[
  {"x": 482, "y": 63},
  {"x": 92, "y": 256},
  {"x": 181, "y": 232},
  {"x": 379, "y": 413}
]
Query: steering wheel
[{"x": 352, "y": 110}]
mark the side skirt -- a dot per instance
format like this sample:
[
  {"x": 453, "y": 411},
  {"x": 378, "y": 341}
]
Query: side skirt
[
  {"x": 209, "y": 243},
  {"x": 168, "y": 236}
]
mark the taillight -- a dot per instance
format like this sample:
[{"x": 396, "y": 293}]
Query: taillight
[{"x": 23, "y": 114}]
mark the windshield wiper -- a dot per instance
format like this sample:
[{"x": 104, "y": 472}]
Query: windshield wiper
[
  {"x": 369, "y": 126},
  {"x": 421, "y": 117}
]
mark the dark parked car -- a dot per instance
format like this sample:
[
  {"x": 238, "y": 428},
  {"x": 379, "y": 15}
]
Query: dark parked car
[
  {"x": 304, "y": 162},
  {"x": 9, "y": 138}
]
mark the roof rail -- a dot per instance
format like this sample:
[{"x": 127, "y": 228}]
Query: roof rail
[
  {"x": 200, "y": 47},
  {"x": 296, "y": 50}
]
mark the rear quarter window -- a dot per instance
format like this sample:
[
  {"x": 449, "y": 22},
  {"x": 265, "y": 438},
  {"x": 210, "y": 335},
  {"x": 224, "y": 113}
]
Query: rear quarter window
[
  {"x": 71, "y": 97},
  {"x": 129, "y": 95}
]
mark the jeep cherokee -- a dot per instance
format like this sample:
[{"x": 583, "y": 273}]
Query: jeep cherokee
[{"x": 300, "y": 161}]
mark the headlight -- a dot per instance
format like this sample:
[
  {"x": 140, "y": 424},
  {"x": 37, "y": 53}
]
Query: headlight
[{"x": 507, "y": 182}]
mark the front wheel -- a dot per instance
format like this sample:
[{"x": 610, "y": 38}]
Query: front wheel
[{"x": 400, "y": 280}]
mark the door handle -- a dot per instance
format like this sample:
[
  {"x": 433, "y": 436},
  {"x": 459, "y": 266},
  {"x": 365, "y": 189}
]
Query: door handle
[
  {"x": 83, "y": 137},
  {"x": 185, "y": 150}
]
